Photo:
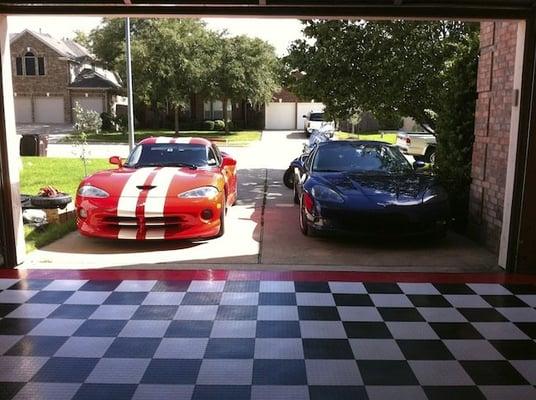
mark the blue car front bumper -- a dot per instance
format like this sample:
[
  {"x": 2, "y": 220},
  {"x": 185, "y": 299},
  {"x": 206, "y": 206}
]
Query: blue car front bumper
[{"x": 391, "y": 220}]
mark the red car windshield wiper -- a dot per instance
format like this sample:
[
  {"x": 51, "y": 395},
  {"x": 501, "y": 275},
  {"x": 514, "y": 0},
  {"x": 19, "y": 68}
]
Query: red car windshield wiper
[{"x": 162, "y": 165}]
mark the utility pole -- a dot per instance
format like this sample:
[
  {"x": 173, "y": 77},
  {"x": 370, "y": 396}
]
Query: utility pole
[{"x": 129, "y": 88}]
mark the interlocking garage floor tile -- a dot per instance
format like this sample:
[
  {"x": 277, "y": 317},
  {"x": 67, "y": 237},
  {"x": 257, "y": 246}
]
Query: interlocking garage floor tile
[{"x": 265, "y": 335}]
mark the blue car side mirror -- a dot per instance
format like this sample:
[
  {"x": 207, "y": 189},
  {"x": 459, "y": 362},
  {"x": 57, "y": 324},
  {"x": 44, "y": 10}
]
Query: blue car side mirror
[{"x": 418, "y": 165}]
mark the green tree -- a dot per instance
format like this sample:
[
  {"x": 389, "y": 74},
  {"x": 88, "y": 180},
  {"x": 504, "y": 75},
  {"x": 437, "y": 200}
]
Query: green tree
[
  {"x": 455, "y": 126},
  {"x": 108, "y": 41},
  {"x": 173, "y": 58},
  {"x": 241, "y": 68},
  {"x": 167, "y": 58},
  {"x": 82, "y": 39},
  {"x": 168, "y": 63},
  {"x": 86, "y": 121},
  {"x": 388, "y": 68}
]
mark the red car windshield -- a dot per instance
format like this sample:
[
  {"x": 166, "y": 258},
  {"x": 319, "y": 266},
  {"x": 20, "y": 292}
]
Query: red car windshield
[{"x": 171, "y": 155}]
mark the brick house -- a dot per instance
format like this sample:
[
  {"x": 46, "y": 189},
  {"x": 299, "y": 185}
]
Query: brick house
[
  {"x": 50, "y": 75},
  {"x": 283, "y": 111},
  {"x": 493, "y": 114}
]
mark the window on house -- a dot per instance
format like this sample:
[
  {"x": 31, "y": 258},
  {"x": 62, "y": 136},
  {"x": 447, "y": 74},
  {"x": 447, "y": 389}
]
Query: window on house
[
  {"x": 229, "y": 109},
  {"x": 207, "y": 110},
  {"x": 30, "y": 63},
  {"x": 217, "y": 109},
  {"x": 214, "y": 109},
  {"x": 19, "y": 65},
  {"x": 41, "y": 65}
]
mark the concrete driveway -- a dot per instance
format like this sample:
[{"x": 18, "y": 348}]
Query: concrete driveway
[{"x": 262, "y": 232}]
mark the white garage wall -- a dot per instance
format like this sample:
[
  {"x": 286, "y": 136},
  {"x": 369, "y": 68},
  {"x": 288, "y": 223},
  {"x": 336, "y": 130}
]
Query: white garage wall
[
  {"x": 93, "y": 103},
  {"x": 49, "y": 110},
  {"x": 23, "y": 110},
  {"x": 280, "y": 116}
]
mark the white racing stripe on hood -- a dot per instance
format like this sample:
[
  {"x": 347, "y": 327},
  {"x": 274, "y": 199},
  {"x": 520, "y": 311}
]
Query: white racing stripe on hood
[
  {"x": 126, "y": 206},
  {"x": 182, "y": 140},
  {"x": 156, "y": 198},
  {"x": 163, "y": 140}
]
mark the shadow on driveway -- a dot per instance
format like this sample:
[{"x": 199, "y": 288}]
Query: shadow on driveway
[{"x": 262, "y": 232}]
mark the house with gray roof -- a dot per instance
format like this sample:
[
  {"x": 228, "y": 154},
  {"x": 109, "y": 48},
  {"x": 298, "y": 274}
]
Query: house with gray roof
[{"x": 51, "y": 75}]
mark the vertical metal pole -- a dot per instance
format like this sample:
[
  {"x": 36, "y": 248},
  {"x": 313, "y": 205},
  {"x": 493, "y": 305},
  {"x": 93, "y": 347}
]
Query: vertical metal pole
[{"x": 129, "y": 88}]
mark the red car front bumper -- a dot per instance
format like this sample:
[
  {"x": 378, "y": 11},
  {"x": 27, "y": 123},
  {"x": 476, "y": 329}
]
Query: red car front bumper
[{"x": 182, "y": 219}]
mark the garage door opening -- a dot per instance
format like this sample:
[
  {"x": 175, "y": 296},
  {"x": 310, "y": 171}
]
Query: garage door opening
[
  {"x": 264, "y": 227},
  {"x": 489, "y": 191},
  {"x": 203, "y": 332}
]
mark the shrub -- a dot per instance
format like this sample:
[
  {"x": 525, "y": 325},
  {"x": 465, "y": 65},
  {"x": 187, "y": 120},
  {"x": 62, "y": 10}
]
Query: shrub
[
  {"x": 208, "y": 125},
  {"x": 455, "y": 128},
  {"x": 219, "y": 125},
  {"x": 108, "y": 121},
  {"x": 121, "y": 122},
  {"x": 388, "y": 120},
  {"x": 237, "y": 125},
  {"x": 86, "y": 121}
]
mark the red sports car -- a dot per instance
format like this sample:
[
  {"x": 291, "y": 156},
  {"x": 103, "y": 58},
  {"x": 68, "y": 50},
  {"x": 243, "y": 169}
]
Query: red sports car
[{"x": 168, "y": 188}]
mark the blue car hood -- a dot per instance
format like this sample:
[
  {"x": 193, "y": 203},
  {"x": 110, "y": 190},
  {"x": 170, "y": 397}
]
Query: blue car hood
[{"x": 404, "y": 189}]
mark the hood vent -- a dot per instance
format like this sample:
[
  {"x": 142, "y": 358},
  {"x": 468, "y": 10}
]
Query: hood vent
[{"x": 146, "y": 187}]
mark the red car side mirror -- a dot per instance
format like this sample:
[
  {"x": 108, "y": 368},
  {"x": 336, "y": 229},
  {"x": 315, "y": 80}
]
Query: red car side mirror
[
  {"x": 115, "y": 160},
  {"x": 228, "y": 162}
]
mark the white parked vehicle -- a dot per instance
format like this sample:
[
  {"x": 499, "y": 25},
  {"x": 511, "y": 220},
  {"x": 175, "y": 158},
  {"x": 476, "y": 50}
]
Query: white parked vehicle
[
  {"x": 421, "y": 145},
  {"x": 314, "y": 120}
]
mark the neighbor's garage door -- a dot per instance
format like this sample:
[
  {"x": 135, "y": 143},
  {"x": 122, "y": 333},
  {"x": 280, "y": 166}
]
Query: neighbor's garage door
[
  {"x": 280, "y": 116},
  {"x": 23, "y": 109},
  {"x": 90, "y": 103},
  {"x": 49, "y": 110}
]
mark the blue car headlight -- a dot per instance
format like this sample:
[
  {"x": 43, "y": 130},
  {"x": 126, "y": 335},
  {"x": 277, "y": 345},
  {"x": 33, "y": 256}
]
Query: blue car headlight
[
  {"x": 435, "y": 194},
  {"x": 323, "y": 193}
]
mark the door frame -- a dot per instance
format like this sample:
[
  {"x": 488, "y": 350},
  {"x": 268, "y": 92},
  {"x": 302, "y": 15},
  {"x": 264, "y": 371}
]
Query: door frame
[{"x": 503, "y": 10}]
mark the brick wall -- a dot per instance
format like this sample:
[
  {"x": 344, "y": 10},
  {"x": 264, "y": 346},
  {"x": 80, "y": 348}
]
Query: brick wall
[
  {"x": 492, "y": 129},
  {"x": 56, "y": 78}
]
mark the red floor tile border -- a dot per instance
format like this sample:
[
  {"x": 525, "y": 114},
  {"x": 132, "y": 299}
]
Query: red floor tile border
[{"x": 240, "y": 275}]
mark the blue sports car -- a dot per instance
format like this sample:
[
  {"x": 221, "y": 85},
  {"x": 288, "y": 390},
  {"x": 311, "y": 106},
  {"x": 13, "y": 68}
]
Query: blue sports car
[{"x": 368, "y": 188}]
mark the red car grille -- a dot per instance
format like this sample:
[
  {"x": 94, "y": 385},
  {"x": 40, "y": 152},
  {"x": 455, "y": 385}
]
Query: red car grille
[{"x": 145, "y": 221}]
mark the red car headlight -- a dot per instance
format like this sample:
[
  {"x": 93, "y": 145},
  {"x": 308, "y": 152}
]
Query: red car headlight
[
  {"x": 93, "y": 192},
  {"x": 208, "y": 192}
]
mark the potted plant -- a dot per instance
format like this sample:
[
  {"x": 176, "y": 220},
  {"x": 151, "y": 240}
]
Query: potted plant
[{"x": 50, "y": 197}]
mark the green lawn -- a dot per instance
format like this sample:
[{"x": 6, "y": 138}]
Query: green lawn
[
  {"x": 387, "y": 136},
  {"x": 234, "y": 138},
  {"x": 39, "y": 237},
  {"x": 64, "y": 174}
]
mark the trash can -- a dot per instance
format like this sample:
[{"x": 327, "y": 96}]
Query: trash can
[{"x": 34, "y": 145}]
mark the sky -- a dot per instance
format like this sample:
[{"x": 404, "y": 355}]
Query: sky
[{"x": 278, "y": 32}]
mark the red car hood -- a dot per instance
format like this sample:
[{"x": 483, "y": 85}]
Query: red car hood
[{"x": 163, "y": 182}]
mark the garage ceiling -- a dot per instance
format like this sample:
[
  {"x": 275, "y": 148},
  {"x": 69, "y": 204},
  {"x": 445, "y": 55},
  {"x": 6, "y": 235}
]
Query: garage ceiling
[{"x": 300, "y": 8}]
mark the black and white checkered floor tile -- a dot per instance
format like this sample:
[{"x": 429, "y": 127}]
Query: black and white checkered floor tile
[{"x": 64, "y": 339}]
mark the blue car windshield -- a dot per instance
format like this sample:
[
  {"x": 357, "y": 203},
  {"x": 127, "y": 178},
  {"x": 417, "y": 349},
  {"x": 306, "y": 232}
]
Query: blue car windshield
[
  {"x": 171, "y": 155},
  {"x": 360, "y": 158}
]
